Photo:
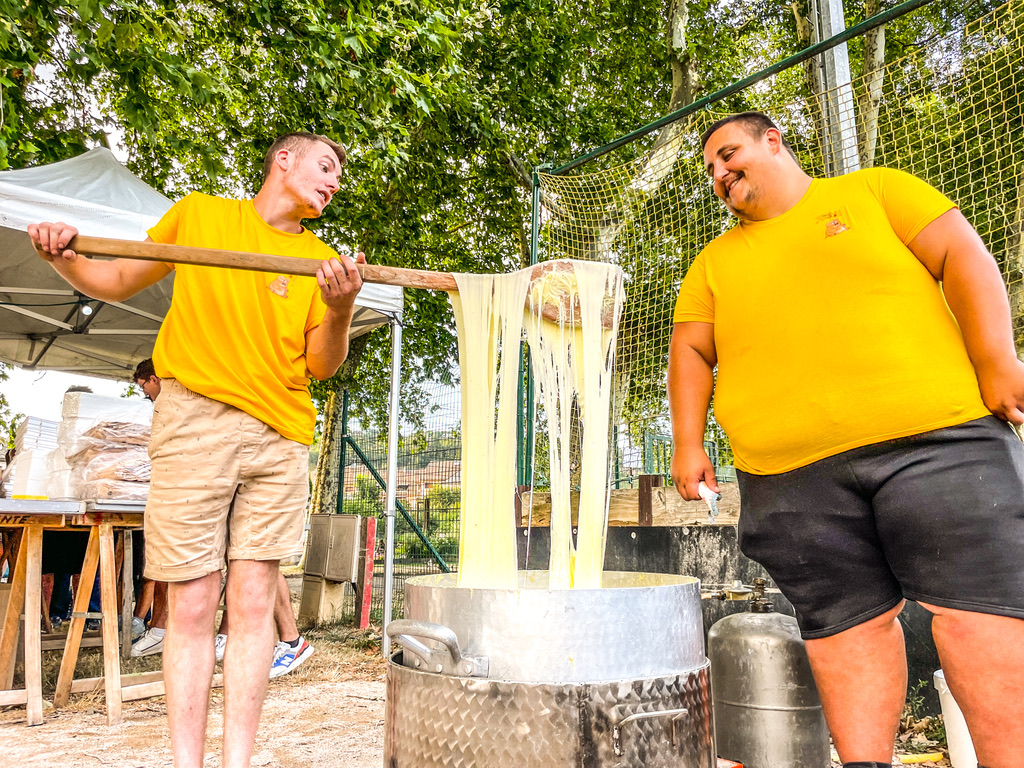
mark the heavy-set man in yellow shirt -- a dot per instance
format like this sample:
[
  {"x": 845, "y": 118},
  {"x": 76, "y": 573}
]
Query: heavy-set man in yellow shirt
[
  {"x": 863, "y": 342},
  {"x": 233, "y": 421}
]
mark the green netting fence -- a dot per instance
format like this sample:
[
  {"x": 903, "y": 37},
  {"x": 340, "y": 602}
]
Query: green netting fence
[{"x": 950, "y": 113}]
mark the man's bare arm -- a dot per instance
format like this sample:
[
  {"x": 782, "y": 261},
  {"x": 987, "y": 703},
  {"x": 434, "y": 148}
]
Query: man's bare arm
[
  {"x": 953, "y": 252},
  {"x": 101, "y": 279},
  {"x": 327, "y": 343},
  {"x": 691, "y": 361}
]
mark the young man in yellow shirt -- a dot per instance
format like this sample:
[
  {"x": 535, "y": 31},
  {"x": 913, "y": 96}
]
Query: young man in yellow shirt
[
  {"x": 866, "y": 372},
  {"x": 233, "y": 421}
]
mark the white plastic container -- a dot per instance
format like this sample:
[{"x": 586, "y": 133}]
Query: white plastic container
[
  {"x": 958, "y": 738},
  {"x": 27, "y": 475}
]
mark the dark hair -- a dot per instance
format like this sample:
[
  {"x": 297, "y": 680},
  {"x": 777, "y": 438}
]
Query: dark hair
[
  {"x": 754, "y": 123},
  {"x": 144, "y": 370},
  {"x": 78, "y": 388},
  {"x": 298, "y": 143}
]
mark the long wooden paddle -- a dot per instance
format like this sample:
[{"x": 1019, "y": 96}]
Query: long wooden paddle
[
  {"x": 295, "y": 265},
  {"x": 257, "y": 262}
]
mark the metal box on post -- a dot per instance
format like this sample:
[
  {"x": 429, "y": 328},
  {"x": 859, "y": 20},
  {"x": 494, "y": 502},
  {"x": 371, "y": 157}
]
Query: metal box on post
[
  {"x": 332, "y": 551},
  {"x": 321, "y": 600}
]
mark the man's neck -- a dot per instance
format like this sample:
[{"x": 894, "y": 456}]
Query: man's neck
[
  {"x": 278, "y": 211},
  {"x": 785, "y": 194}
]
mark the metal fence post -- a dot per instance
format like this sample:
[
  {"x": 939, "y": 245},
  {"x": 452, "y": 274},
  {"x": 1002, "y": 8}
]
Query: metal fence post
[{"x": 392, "y": 477}]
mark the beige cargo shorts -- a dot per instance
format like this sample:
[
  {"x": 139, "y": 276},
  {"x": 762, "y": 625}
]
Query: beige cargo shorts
[{"x": 224, "y": 486}]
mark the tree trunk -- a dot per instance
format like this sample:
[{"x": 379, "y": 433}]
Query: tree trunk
[
  {"x": 661, "y": 160},
  {"x": 328, "y": 478},
  {"x": 812, "y": 72},
  {"x": 871, "y": 96}
]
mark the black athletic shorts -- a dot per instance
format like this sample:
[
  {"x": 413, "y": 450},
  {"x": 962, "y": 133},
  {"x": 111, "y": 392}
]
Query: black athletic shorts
[{"x": 936, "y": 517}]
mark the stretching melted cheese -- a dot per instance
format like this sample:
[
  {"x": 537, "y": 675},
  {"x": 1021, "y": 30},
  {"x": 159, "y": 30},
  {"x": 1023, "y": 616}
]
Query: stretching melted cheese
[{"x": 572, "y": 358}]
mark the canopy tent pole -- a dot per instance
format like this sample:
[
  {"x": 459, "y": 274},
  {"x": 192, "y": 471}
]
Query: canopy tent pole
[{"x": 392, "y": 479}]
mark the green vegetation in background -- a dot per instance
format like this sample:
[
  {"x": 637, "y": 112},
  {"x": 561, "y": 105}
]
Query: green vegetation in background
[
  {"x": 445, "y": 106},
  {"x": 8, "y": 420}
]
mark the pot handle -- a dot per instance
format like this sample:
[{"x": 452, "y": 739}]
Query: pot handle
[
  {"x": 617, "y": 730},
  {"x": 406, "y": 631}
]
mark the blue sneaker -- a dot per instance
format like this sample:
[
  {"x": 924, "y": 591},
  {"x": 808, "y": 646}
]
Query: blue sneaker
[{"x": 287, "y": 658}]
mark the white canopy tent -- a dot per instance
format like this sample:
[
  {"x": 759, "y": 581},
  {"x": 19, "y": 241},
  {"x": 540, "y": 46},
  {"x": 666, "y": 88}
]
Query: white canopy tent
[{"x": 44, "y": 323}]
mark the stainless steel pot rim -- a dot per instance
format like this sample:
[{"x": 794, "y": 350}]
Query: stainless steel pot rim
[
  {"x": 394, "y": 662},
  {"x": 538, "y": 580}
]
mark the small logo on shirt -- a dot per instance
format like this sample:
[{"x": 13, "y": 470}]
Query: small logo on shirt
[
  {"x": 834, "y": 224},
  {"x": 279, "y": 285}
]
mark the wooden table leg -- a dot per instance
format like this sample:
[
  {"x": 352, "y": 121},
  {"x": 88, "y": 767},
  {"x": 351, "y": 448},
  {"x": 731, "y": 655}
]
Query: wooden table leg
[
  {"x": 33, "y": 639},
  {"x": 127, "y": 591},
  {"x": 111, "y": 651},
  {"x": 12, "y": 621},
  {"x": 74, "y": 641}
]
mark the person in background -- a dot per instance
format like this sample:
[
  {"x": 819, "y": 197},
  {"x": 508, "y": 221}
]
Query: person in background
[
  {"x": 145, "y": 379},
  {"x": 152, "y": 594},
  {"x": 291, "y": 650}
]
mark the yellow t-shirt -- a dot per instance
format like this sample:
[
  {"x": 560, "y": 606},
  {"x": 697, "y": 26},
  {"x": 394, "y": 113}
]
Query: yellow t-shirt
[
  {"x": 237, "y": 336},
  {"x": 830, "y": 333}
]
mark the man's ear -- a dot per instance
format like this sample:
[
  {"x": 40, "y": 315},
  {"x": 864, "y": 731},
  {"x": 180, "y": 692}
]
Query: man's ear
[
  {"x": 774, "y": 138},
  {"x": 283, "y": 158}
]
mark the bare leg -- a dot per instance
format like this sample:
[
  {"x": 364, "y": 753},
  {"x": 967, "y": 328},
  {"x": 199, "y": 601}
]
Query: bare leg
[
  {"x": 159, "y": 619},
  {"x": 284, "y": 616},
  {"x": 145, "y": 601},
  {"x": 188, "y": 665},
  {"x": 982, "y": 658},
  {"x": 862, "y": 680},
  {"x": 251, "y": 591},
  {"x": 223, "y": 628}
]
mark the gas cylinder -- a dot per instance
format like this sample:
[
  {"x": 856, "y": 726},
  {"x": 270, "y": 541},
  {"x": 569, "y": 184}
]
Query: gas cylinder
[{"x": 766, "y": 705}]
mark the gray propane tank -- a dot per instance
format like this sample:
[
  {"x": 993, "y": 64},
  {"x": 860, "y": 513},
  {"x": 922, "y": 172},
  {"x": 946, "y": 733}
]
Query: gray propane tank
[{"x": 766, "y": 705}]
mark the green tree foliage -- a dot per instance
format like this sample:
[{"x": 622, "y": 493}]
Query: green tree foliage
[
  {"x": 367, "y": 500},
  {"x": 8, "y": 420},
  {"x": 445, "y": 106}
]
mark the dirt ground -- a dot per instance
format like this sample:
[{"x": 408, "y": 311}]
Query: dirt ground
[{"x": 329, "y": 712}]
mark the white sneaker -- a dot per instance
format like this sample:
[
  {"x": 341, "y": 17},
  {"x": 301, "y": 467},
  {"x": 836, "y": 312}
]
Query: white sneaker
[
  {"x": 138, "y": 628},
  {"x": 220, "y": 642},
  {"x": 287, "y": 658},
  {"x": 149, "y": 643}
]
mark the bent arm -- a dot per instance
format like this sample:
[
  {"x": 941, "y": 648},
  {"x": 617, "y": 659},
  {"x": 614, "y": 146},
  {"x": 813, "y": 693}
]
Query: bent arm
[
  {"x": 327, "y": 344},
  {"x": 691, "y": 362},
  {"x": 952, "y": 252}
]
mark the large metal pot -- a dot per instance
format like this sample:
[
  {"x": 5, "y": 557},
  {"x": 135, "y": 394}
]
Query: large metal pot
[
  {"x": 637, "y": 626},
  {"x": 538, "y": 678},
  {"x": 441, "y": 721}
]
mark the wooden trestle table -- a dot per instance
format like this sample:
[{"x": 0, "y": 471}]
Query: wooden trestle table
[{"x": 101, "y": 519}]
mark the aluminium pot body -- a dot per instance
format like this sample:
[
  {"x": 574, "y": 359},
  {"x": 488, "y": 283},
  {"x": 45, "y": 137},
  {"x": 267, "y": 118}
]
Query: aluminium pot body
[
  {"x": 637, "y": 626},
  {"x": 434, "y": 720},
  {"x": 538, "y": 678}
]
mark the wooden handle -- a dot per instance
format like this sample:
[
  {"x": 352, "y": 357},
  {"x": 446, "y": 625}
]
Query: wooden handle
[
  {"x": 292, "y": 265},
  {"x": 257, "y": 262}
]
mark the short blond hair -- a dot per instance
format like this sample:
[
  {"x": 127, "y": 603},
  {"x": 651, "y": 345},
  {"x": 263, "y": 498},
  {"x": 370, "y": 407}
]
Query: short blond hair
[{"x": 299, "y": 142}]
